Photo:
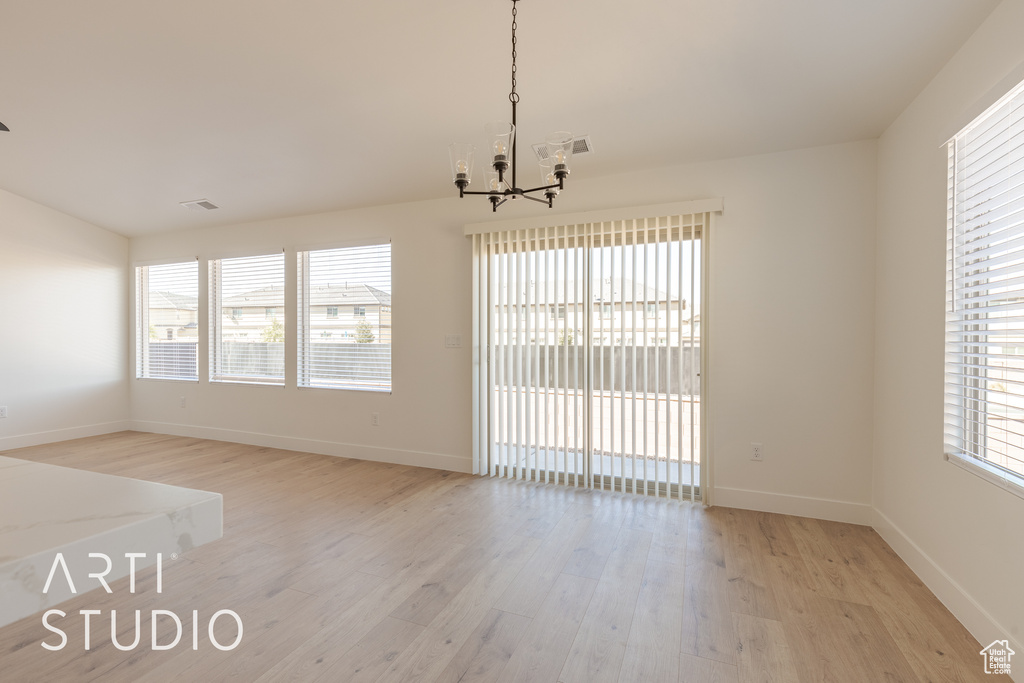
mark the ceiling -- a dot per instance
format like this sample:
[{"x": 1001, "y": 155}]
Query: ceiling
[{"x": 121, "y": 109}]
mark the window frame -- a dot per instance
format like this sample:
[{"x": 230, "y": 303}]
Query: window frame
[
  {"x": 215, "y": 279},
  {"x": 310, "y": 374},
  {"x": 985, "y": 180},
  {"x": 143, "y": 370}
]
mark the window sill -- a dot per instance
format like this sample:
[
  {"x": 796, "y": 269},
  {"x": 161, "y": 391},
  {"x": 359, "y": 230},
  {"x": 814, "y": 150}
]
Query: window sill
[
  {"x": 988, "y": 473},
  {"x": 246, "y": 382},
  {"x": 170, "y": 379}
]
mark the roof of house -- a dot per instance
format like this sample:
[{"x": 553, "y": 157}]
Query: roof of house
[
  {"x": 345, "y": 294},
  {"x": 348, "y": 294},
  {"x": 173, "y": 300}
]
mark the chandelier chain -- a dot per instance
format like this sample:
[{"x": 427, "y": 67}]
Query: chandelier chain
[{"x": 513, "y": 96}]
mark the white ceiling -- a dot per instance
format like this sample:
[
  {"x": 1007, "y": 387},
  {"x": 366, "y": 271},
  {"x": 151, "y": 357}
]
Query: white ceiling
[{"x": 120, "y": 109}]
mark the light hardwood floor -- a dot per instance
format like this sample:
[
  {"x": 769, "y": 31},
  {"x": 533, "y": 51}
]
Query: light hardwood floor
[{"x": 345, "y": 570}]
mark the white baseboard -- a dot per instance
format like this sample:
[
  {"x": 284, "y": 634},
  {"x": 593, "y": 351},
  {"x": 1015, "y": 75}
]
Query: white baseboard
[
  {"x": 438, "y": 461},
  {"x": 54, "y": 435},
  {"x": 966, "y": 609},
  {"x": 800, "y": 506}
]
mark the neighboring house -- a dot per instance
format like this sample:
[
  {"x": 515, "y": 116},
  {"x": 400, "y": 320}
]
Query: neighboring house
[
  {"x": 623, "y": 311},
  {"x": 173, "y": 317},
  {"x": 336, "y": 313}
]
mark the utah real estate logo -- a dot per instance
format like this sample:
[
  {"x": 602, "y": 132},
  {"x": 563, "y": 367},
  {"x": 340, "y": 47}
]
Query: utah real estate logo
[{"x": 997, "y": 657}]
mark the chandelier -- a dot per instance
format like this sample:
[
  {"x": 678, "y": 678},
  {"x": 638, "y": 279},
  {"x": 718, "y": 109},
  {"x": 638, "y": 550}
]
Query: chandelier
[{"x": 500, "y": 177}]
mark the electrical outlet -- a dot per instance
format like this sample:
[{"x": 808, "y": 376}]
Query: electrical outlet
[
  {"x": 453, "y": 341},
  {"x": 3, "y": 411},
  {"x": 375, "y": 419},
  {"x": 756, "y": 452},
  {"x": 182, "y": 401}
]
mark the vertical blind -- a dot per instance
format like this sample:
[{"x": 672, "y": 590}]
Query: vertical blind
[
  {"x": 166, "y": 315},
  {"x": 247, "y": 316},
  {"x": 984, "y": 397},
  {"x": 345, "y": 318},
  {"x": 587, "y": 351}
]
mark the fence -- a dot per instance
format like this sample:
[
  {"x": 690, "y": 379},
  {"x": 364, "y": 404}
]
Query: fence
[
  {"x": 662, "y": 369},
  {"x": 331, "y": 363}
]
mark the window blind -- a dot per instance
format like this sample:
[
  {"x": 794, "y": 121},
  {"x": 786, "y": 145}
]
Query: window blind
[
  {"x": 587, "y": 351},
  {"x": 247, "y": 345},
  {"x": 984, "y": 395},
  {"x": 166, "y": 314},
  {"x": 345, "y": 318}
]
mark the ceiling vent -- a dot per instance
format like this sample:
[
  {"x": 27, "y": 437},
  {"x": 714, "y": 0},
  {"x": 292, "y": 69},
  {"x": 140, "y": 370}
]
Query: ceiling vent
[
  {"x": 580, "y": 145},
  {"x": 200, "y": 205}
]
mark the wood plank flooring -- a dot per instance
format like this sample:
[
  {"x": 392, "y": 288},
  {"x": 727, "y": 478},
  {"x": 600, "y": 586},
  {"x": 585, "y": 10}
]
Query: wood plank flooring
[{"x": 345, "y": 570}]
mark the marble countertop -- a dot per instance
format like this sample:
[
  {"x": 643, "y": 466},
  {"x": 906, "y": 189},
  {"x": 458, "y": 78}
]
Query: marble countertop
[{"x": 46, "y": 509}]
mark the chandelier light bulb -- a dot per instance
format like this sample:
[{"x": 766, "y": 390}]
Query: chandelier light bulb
[
  {"x": 461, "y": 155},
  {"x": 547, "y": 172},
  {"x": 492, "y": 181}
]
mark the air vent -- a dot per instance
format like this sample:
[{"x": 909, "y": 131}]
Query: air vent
[
  {"x": 200, "y": 205},
  {"x": 580, "y": 145}
]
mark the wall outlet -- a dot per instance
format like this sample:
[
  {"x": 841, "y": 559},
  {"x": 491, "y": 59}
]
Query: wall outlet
[
  {"x": 453, "y": 341},
  {"x": 375, "y": 419},
  {"x": 3, "y": 411},
  {"x": 756, "y": 452},
  {"x": 182, "y": 401}
]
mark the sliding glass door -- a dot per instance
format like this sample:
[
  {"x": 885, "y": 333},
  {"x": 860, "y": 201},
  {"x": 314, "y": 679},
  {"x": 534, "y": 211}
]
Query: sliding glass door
[{"x": 588, "y": 343}]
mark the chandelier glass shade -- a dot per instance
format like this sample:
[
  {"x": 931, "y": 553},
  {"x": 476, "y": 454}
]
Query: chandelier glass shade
[{"x": 500, "y": 181}]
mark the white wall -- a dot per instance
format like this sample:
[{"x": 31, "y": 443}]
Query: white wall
[
  {"x": 791, "y": 317},
  {"x": 424, "y": 421},
  {"x": 962, "y": 535},
  {"x": 63, "y": 325}
]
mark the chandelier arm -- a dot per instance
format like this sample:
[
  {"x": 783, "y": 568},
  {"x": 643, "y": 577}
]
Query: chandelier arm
[
  {"x": 535, "y": 199},
  {"x": 479, "y": 192},
  {"x": 542, "y": 187}
]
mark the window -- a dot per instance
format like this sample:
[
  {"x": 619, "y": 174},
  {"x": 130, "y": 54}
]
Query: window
[
  {"x": 246, "y": 348},
  {"x": 269, "y": 313},
  {"x": 557, "y": 312},
  {"x": 606, "y": 311},
  {"x": 984, "y": 405},
  {"x": 166, "y": 312},
  {"x": 358, "y": 353}
]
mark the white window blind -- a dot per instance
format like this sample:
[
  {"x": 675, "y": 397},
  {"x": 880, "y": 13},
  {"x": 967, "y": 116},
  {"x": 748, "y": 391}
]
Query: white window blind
[
  {"x": 587, "y": 354},
  {"x": 984, "y": 404},
  {"x": 166, "y": 316},
  {"x": 345, "y": 318},
  {"x": 245, "y": 345}
]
